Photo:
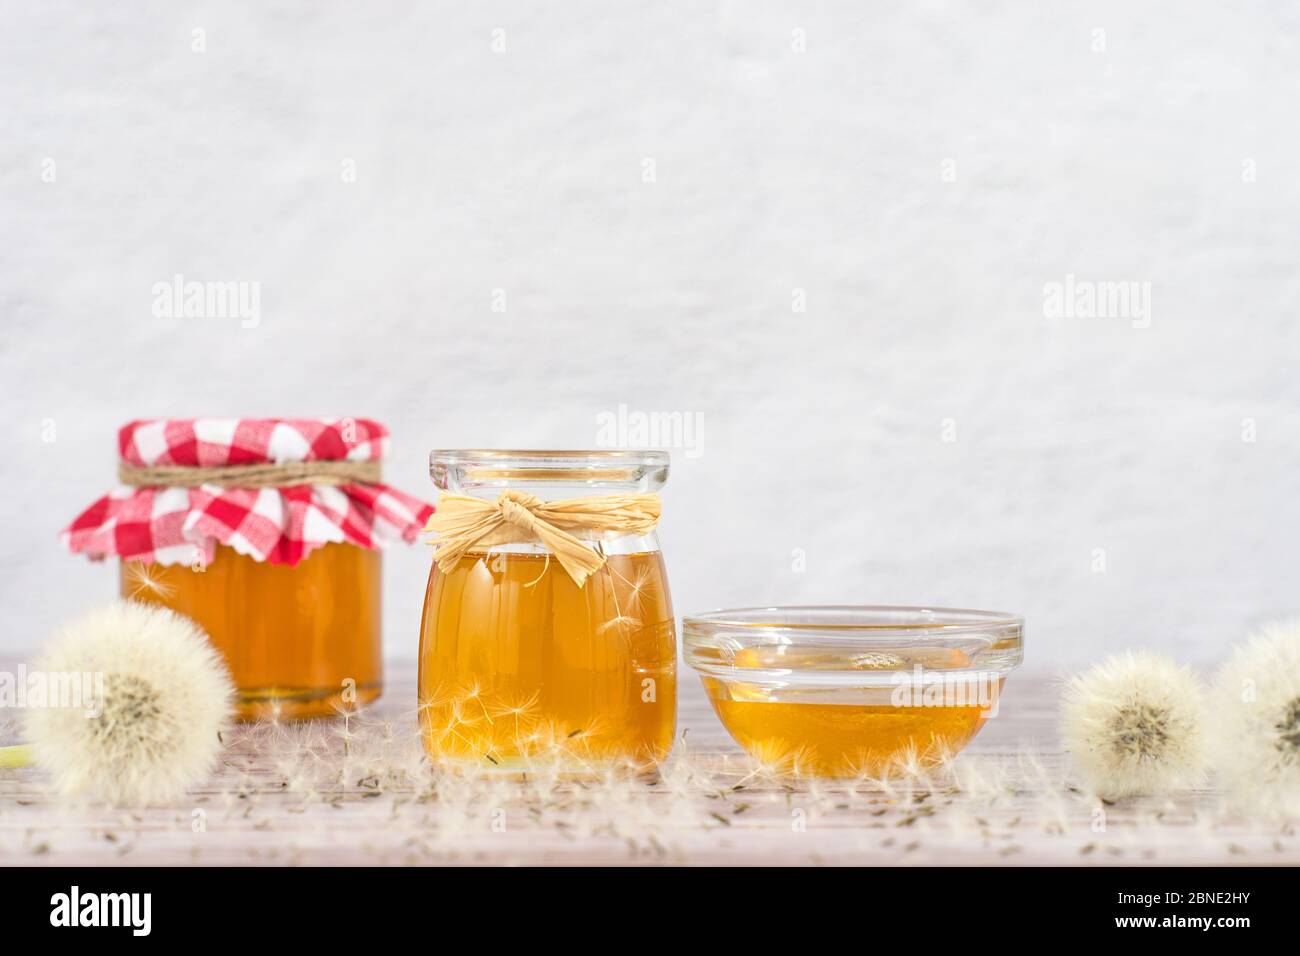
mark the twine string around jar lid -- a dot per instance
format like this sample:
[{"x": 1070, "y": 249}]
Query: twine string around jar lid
[
  {"x": 259, "y": 475},
  {"x": 516, "y": 517}
]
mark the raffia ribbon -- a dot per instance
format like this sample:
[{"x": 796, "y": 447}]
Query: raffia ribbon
[
  {"x": 516, "y": 517},
  {"x": 260, "y": 475}
]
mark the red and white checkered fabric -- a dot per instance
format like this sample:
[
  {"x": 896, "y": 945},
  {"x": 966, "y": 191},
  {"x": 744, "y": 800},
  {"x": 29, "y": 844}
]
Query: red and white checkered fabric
[{"x": 277, "y": 525}]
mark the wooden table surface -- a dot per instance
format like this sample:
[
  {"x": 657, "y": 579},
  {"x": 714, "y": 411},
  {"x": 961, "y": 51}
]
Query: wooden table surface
[{"x": 359, "y": 792}]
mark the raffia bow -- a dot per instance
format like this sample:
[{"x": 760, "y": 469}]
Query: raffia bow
[{"x": 516, "y": 517}]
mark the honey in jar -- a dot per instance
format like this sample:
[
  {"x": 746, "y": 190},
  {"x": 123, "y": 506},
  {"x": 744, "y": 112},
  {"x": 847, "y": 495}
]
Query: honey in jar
[
  {"x": 300, "y": 641},
  {"x": 266, "y": 533},
  {"x": 519, "y": 663}
]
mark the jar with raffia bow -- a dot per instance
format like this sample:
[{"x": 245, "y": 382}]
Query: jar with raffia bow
[
  {"x": 548, "y": 633},
  {"x": 265, "y": 531}
]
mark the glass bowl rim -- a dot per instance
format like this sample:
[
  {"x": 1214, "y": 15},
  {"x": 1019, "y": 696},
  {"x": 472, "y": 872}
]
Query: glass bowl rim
[
  {"x": 763, "y": 618},
  {"x": 712, "y": 642}
]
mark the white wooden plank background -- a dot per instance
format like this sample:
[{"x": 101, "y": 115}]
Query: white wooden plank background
[{"x": 303, "y": 795}]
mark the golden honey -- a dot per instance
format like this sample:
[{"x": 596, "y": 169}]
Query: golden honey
[
  {"x": 848, "y": 731},
  {"x": 518, "y": 663},
  {"x": 300, "y": 641}
]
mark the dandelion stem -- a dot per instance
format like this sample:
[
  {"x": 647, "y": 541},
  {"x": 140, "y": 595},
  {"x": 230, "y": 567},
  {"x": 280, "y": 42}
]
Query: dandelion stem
[{"x": 19, "y": 755}]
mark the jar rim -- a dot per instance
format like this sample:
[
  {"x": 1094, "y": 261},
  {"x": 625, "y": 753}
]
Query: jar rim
[
  {"x": 608, "y": 468},
  {"x": 459, "y": 455}
]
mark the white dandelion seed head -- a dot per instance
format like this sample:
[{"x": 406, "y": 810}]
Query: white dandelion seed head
[
  {"x": 1255, "y": 745},
  {"x": 166, "y": 695},
  {"x": 1134, "y": 725}
]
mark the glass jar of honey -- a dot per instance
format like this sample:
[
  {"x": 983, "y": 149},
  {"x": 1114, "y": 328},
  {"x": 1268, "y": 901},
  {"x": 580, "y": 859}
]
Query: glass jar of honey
[
  {"x": 266, "y": 532},
  {"x": 523, "y": 658}
]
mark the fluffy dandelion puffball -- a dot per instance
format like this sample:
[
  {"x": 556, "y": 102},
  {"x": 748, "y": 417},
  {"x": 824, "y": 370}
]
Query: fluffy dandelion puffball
[
  {"x": 156, "y": 695},
  {"x": 1135, "y": 725},
  {"x": 1256, "y": 739}
]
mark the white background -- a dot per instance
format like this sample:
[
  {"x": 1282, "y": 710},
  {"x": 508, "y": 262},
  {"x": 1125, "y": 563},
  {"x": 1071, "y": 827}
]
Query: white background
[{"x": 775, "y": 170}]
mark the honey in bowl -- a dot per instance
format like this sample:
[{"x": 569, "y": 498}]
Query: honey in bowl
[
  {"x": 518, "y": 663},
  {"x": 841, "y": 732},
  {"x": 853, "y": 691}
]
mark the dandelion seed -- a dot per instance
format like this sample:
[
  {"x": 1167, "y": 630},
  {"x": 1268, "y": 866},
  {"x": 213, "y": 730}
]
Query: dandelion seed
[
  {"x": 622, "y": 621},
  {"x": 643, "y": 584},
  {"x": 519, "y": 709},
  {"x": 619, "y": 621},
  {"x": 474, "y": 693},
  {"x": 774, "y": 759},
  {"x": 145, "y": 579}
]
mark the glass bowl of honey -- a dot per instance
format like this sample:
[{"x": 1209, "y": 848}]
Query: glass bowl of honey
[{"x": 846, "y": 691}]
